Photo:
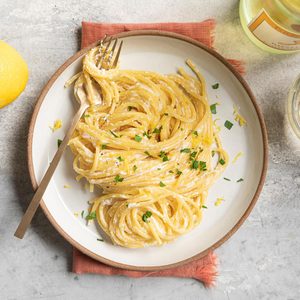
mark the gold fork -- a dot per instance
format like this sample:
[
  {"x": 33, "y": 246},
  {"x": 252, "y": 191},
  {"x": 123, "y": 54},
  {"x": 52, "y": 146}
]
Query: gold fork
[{"x": 110, "y": 62}]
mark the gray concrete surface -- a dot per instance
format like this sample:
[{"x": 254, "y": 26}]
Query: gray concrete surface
[{"x": 261, "y": 261}]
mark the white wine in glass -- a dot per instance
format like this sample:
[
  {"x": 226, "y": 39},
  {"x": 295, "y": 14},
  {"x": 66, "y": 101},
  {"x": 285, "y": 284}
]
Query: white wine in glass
[{"x": 273, "y": 25}]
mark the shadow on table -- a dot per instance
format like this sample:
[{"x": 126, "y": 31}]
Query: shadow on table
[{"x": 40, "y": 224}]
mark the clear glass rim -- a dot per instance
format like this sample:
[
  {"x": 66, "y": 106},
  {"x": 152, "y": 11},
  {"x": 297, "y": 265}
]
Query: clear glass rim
[{"x": 293, "y": 106}]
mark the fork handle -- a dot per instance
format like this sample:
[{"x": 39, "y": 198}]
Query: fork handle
[{"x": 34, "y": 204}]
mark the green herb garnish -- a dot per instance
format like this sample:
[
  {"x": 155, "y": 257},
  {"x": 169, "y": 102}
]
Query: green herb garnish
[
  {"x": 82, "y": 213},
  {"x": 204, "y": 206},
  {"x": 228, "y": 124},
  {"x": 137, "y": 138},
  {"x": 103, "y": 146},
  {"x": 195, "y": 164},
  {"x": 213, "y": 153},
  {"x": 195, "y": 133},
  {"x": 178, "y": 172},
  {"x": 146, "y": 216},
  {"x": 226, "y": 179},
  {"x": 59, "y": 141},
  {"x": 146, "y": 152},
  {"x": 161, "y": 184},
  {"x": 118, "y": 178},
  {"x": 240, "y": 180},
  {"x": 202, "y": 165},
  {"x": 147, "y": 135},
  {"x": 163, "y": 155},
  {"x": 215, "y": 86},
  {"x": 185, "y": 150},
  {"x": 134, "y": 168},
  {"x": 120, "y": 158},
  {"x": 222, "y": 161},
  {"x": 193, "y": 154},
  {"x": 171, "y": 171},
  {"x": 166, "y": 114},
  {"x": 100, "y": 240},
  {"x": 157, "y": 130},
  {"x": 213, "y": 108},
  {"x": 115, "y": 135},
  {"x": 130, "y": 108},
  {"x": 91, "y": 216}
]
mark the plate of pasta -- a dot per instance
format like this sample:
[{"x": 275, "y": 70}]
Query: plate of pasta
[{"x": 165, "y": 164}]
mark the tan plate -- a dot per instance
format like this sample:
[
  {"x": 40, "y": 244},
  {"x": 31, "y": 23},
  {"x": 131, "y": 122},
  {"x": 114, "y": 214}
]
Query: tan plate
[{"x": 158, "y": 51}]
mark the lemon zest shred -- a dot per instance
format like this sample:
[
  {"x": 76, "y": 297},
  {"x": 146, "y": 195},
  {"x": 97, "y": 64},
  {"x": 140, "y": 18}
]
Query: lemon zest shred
[
  {"x": 237, "y": 157},
  {"x": 66, "y": 186},
  {"x": 219, "y": 201},
  {"x": 57, "y": 125},
  {"x": 238, "y": 117},
  {"x": 217, "y": 127}
]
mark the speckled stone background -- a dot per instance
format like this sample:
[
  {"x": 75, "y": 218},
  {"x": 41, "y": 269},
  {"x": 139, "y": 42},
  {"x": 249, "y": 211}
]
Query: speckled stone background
[{"x": 261, "y": 261}]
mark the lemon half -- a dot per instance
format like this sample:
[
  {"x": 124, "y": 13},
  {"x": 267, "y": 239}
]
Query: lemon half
[{"x": 13, "y": 74}]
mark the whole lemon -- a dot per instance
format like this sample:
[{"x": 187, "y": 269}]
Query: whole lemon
[{"x": 13, "y": 74}]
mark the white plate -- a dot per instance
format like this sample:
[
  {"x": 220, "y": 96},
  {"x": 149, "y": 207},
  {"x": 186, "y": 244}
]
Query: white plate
[{"x": 164, "y": 53}]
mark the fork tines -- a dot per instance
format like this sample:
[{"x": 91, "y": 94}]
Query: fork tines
[{"x": 109, "y": 54}]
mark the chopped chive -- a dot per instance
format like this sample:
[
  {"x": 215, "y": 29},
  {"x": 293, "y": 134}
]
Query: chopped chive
[
  {"x": 103, "y": 146},
  {"x": 82, "y": 213},
  {"x": 147, "y": 135},
  {"x": 166, "y": 114},
  {"x": 120, "y": 158},
  {"x": 204, "y": 206},
  {"x": 115, "y": 135},
  {"x": 193, "y": 154},
  {"x": 185, "y": 150},
  {"x": 202, "y": 165},
  {"x": 195, "y": 164},
  {"x": 195, "y": 133},
  {"x": 86, "y": 116},
  {"x": 222, "y": 161},
  {"x": 213, "y": 153},
  {"x": 59, "y": 141},
  {"x": 213, "y": 108},
  {"x": 215, "y": 86},
  {"x": 181, "y": 129},
  {"x": 91, "y": 216},
  {"x": 228, "y": 124},
  {"x": 118, "y": 178},
  {"x": 226, "y": 179},
  {"x": 178, "y": 172},
  {"x": 157, "y": 130},
  {"x": 146, "y": 216},
  {"x": 240, "y": 180},
  {"x": 130, "y": 108},
  {"x": 161, "y": 184},
  {"x": 100, "y": 240},
  {"x": 137, "y": 138},
  {"x": 146, "y": 152},
  {"x": 171, "y": 171},
  {"x": 134, "y": 168},
  {"x": 163, "y": 155}
]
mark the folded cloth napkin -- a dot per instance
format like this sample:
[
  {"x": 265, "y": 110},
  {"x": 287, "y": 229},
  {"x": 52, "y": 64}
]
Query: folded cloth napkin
[{"x": 203, "y": 269}]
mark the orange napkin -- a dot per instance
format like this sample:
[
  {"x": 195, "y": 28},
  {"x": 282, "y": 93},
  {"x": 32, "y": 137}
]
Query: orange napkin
[{"x": 203, "y": 269}]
